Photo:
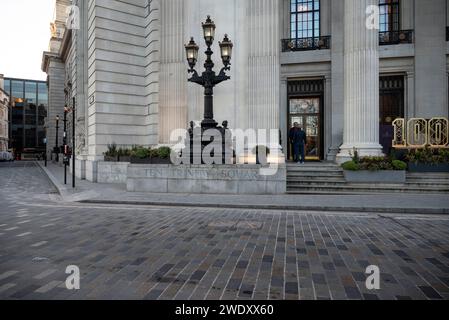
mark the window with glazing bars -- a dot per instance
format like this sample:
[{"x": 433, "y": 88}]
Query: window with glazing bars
[
  {"x": 305, "y": 19},
  {"x": 389, "y": 15}
]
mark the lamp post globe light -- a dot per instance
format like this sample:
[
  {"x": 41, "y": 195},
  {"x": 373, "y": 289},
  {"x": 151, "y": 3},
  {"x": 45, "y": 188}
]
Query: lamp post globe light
[{"x": 209, "y": 79}]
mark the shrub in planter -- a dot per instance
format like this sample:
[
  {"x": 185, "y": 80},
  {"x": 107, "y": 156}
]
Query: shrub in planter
[
  {"x": 140, "y": 155},
  {"x": 375, "y": 170},
  {"x": 124, "y": 155},
  {"x": 374, "y": 164},
  {"x": 111, "y": 155},
  {"x": 160, "y": 155},
  {"x": 164, "y": 152},
  {"x": 429, "y": 156},
  {"x": 399, "y": 165},
  {"x": 350, "y": 166},
  {"x": 428, "y": 160},
  {"x": 153, "y": 153}
]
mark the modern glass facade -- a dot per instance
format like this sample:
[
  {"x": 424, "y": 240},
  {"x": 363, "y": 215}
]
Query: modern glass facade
[{"x": 29, "y": 104}]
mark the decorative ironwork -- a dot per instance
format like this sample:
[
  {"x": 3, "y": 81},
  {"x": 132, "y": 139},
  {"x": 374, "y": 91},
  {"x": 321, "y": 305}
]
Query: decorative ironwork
[
  {"x": 399, "y": 140},
  {"x": 306, "y": 87},
  {"x": 305, "y": 44},
  {"x": 438, "y": 130},
  {"x": 209, "y": 79},
  {"x": 391, "y": 83},
  {"x": 421, "y": 133},
  {"x": 396, "y": 37},
  {"x": 417, "y": 133}
]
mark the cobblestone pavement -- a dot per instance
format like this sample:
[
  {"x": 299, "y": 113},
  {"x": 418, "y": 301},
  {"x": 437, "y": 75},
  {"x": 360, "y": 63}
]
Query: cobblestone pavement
[{"x": 176, "y": 253}]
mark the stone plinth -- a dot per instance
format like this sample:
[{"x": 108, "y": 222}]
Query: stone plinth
[
  {"x": 205, "y": 179},
  {"x": 112, "y": 172}
]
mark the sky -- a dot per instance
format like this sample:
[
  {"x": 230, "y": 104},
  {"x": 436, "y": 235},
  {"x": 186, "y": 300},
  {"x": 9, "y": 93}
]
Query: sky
[{"x": 24, "y": 36}]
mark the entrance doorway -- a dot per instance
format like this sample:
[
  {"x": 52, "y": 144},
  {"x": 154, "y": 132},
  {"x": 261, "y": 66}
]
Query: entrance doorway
[
  {"x": 306, "y": 112},
  {"x": 391, "y": 108},
  {"x": 305, "y": 106}
]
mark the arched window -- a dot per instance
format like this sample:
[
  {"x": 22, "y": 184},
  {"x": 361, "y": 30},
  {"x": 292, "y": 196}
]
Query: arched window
[
  {"x": 389, "y": 15},
  {"x": 305, "y": 19}
]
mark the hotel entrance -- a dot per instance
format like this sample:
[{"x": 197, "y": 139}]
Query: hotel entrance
[
  {"x": 305, "y": 107},
  {"x": 391, "y": 107}
]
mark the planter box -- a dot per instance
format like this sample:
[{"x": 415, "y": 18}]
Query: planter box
[
  {"x": 160, "y": 161},
  {"x": 421, "y": 167},
  {"x": 111, "y": 159},
  {"x": 381, "y": 176},
  {"x": 124, "y": 159},
  {"x": 149, "y": 161},
  {"x": 140, "y": 161}
]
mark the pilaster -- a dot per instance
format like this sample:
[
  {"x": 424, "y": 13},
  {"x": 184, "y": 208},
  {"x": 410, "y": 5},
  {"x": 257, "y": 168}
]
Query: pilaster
[{"x": 361, "y": 81}]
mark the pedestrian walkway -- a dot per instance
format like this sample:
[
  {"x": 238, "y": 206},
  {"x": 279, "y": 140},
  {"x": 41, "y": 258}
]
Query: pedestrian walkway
[{"x": 377, "y": 203}]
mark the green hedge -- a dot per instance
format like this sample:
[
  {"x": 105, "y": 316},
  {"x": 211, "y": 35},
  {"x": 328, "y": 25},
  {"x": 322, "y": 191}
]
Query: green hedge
[
  {"x": 428, "y": 156},
  {"x": 374, "y": 164}
]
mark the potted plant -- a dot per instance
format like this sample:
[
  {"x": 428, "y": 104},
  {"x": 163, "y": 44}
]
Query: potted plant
[
  {"x": 140, "y": 155},
  {"x": 428, "y": 160},
  {"x": 111, "y": 155},
  {"x": 374, "y": 170}
]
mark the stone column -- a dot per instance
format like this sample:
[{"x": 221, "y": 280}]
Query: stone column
[
  {"x": 283, "y": 113},
  {"x": 173, "y": 70},
  {"x": 263, "y": 64},
  {"x": 336, "y": 112},
  {"x": 430, "y": 59},
  {"x": 361, "y": 76},
  {"x": 410, "y": 110},
  {"x": 264, "y": 32}
]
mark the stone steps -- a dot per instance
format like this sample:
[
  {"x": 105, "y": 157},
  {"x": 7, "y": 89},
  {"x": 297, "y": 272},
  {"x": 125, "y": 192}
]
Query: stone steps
[
  {"x": 328, "y": 178},
  {"x": 318, "y": 175},
  {"x": 427, "y": 182},
  {"x": 348, "y": 189},
  {"x": 317, "y": 180}
]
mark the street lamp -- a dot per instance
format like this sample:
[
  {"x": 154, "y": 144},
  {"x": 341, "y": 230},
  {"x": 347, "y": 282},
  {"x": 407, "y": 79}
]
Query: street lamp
[
  {"x": 71, "y": 152},
  {"x": 192, "y": 53},
  {"x": 56, "y": 149},
  {"x": 226, "y": 50},
  {"x": 209, "y": 79},
  {"x": 209, "y": 31},
  {"x": 46, "y": 143},
  {"x": 66, "y": 110}
]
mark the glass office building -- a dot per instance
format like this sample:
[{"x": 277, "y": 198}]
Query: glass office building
[{"x": 29, "y": 103}]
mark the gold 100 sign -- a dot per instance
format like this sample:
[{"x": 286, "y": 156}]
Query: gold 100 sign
[{"x": 419, "y": 133}]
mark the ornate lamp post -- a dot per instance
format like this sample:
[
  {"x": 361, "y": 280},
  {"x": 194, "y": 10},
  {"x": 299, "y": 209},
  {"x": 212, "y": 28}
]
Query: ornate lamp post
[
  {"x": 70, "y": 152},
  {"x": 209, "y": 79},
  {"x": 56, "y": 149},
  {"x": 66, "y": 110}
]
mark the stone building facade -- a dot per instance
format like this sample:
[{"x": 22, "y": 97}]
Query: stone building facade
[
  {"x": 4, "y": 120},
  {"x": 313, "y": 62}
]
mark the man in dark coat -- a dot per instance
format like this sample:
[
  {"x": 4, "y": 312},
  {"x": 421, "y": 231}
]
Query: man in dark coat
[{"x": 298, "y": 139}]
